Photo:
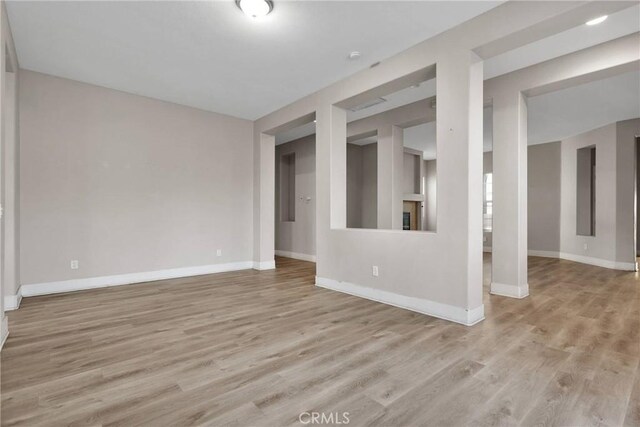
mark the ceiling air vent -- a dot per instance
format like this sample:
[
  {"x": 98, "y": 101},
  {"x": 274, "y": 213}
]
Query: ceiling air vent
[{"x": 367, "y": 104}]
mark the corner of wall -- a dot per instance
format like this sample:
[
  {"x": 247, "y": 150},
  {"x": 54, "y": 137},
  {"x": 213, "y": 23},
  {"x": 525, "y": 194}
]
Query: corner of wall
[{"x": 4, "y": 331}]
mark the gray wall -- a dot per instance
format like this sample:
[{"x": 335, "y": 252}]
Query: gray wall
[
  {"x": 362, "y": 185},
  {"x": 298, "y": 236},
  {"x": 543, "y": 197},
  {"x": 603, "y": 244},
  {"x": 626, "y": 133},
  {"x": 411, "y": 173},
  {"x": 543, "y": 190},
  {"x": 128, "y": 184}
]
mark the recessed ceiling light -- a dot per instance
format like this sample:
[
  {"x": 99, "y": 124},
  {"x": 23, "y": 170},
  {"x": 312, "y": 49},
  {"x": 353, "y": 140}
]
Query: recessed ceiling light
[
  {"x": 355, "y": 55},
  {"x": 255, "y": 8},
  {"x": 597, "y": 21}
]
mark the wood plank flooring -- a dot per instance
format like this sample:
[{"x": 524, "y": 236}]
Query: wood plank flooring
[{"x": 259, "y": 348}]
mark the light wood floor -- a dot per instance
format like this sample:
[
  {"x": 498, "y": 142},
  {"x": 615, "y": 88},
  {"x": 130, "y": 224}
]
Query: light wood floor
[{"x": 258, "y": 348}]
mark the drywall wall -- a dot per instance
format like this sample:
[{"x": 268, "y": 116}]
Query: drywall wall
[
  {"x": 127, "y": 184},
  {"x": 298, "y": 238},
  {"x": 543, "y": 193},
  {"x": 543, "y": 198},
  {"x": 10, "y": 193},
  {"x": 626, "y": 133},
  {"x": 411, "y": 173},
  {"x": 362, "y": 185},
  {"x": 9, "y": 122},
  {"x": 601, "y": 246}
]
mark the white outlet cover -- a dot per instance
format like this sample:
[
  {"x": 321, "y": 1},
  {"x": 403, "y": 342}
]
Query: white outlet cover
[
  {"x": 375, "y": 270},
  {"x": 219, "y": 252}
]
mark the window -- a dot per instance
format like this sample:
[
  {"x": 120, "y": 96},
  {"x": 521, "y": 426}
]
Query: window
[
  {"x": 288, "y": 187},
  {"x": 586, "y": 192},
  {"x": 487, "y": 211}
]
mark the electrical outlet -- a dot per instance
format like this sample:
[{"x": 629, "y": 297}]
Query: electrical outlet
[
  {"x": 374, "y": 271},
  {"x": 586, "y": 247},
  {"x": 219, "y": 252},
  {"x": 74, "y": 264}
]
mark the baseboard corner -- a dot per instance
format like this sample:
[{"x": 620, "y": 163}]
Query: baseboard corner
[
  {"x": 12, "y": 302},
  {"x": 4, "y": 331},
  {"x": 264, "y": 265},
  {"x": 511, "y": 291}
]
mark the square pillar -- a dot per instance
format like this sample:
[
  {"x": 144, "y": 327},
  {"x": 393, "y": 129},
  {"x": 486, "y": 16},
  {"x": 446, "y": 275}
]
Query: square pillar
[
  {"x": 264, "y": 202},
  {"x": 509, "y": 258},
  {"x": 390, "y": 169},
  {"x": 459, "y": 174}
]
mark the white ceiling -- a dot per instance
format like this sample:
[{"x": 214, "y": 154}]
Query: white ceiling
[
  {"x": 622, "y": 23},
  {"x": 210, "y": 56},
  {"x": 556, "y": 115}
]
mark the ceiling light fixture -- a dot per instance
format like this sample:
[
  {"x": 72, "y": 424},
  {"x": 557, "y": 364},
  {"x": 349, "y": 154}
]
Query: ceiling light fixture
[
  {"x": 597, "y": 21},
  {"x": 255, "y": 8},
  {"x": 355, "y": 55}
]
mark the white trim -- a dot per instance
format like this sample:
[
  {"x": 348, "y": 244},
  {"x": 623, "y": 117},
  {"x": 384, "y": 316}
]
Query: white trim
[
  {"x": 4, "y": 331},
  {"x": 626, "y": 266},
  {"x": 598, "y": 262},
  {"x": 543, "y": 254},
  {"x": 12, "y": 302},
  {"x": 461, "y": 315},
  {"x": 296, "y": 255},
  {"x": 264, "y": 265},
  {"x": 127, "y": 279},
  {"x": 512, "y": 291}
]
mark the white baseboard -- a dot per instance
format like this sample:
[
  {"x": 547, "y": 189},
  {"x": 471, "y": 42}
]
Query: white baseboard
[
  {"x": 598, "y": 262},
  {"x": 461, "y": 315},
  {"x": 544, "y": 254},
  {"x": 264, "y": 265},
  {"x": 296, "y": 255},
  {"x": 12, "y": 302},
  {"x": 127, "y": 279},
  {"x": 4, "y": 331},
  {"x": 512, "y": 291},
  {"x": 626, "y": 266}
]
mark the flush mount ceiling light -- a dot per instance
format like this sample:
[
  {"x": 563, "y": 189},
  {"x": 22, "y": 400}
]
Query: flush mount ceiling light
[
  {"x": 255, "y": 8},
  {"x": 597, "y": 21},
  {"x": 355, "y": 55}
]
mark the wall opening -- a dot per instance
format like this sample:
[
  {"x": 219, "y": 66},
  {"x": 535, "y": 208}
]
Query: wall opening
[
  {"x": 394, "y": 127},
  {"x": 586, "y": 191},
  {"x": 295, "y": 189}
]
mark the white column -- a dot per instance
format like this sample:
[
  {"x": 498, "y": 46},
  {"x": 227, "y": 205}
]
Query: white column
[
  {"x": 264, "y": 202},
  {"x": 390, "y": 167},
  {"x": 459, "y": 170},
  {"x": 509, "y": 258}
]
